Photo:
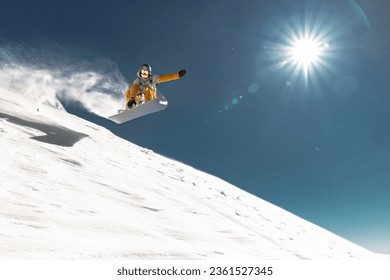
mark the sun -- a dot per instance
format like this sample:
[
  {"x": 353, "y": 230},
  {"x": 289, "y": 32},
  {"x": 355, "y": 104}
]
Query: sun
[{"x": 306, "y": 53}]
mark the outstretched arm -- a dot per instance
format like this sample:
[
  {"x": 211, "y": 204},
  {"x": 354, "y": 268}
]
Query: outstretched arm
[{"x": 171, "y": 77}]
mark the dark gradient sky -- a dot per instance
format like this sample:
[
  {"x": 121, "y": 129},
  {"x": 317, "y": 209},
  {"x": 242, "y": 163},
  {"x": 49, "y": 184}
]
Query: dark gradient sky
[{"x": 320, "y": 150}]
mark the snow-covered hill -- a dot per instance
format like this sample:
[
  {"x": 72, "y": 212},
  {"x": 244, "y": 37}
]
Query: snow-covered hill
[{"x": 70, "y": 189}]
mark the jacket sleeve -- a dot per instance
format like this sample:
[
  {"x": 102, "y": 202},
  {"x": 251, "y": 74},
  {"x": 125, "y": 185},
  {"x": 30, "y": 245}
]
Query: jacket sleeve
[
  {"x": 132, "y": 92},
  {"x": 168, "y": 78}
]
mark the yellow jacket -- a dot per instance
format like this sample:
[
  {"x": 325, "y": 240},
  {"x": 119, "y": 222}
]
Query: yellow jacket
[{"x": 148, "y": 87}]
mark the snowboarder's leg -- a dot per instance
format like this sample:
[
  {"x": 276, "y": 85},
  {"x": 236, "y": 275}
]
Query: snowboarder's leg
[{"x": 150, "y": 93}]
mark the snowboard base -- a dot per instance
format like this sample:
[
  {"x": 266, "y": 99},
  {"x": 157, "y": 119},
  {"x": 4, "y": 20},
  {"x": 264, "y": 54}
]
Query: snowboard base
[{"x": 152, "y": 106}]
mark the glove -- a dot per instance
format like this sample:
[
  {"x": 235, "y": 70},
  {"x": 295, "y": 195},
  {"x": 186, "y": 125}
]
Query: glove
[
  {"x": 131, "y": 103},
  {"x": 182, "y": 73}
]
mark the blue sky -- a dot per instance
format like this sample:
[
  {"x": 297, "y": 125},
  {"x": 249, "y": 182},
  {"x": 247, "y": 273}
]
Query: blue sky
[{"x": 317, "y": 147}]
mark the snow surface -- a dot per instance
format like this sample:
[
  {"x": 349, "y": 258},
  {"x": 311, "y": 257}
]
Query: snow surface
[{"x": 71, "y": 189}]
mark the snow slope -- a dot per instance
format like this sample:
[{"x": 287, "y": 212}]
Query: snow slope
[{"x": 70, "y": 189}]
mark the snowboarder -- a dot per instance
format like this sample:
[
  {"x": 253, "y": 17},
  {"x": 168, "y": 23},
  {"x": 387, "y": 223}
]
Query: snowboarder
[{"x": 144, "y": 89}]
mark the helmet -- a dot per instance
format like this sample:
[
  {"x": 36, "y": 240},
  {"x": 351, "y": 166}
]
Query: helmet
[{"x": 145, "y": 71}]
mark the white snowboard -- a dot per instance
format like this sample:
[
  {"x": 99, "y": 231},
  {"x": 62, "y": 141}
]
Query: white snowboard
[{"x": 146, "y": 108}]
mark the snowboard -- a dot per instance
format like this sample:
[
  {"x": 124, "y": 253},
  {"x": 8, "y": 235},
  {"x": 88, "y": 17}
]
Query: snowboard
[{"x": 152, "y": 106}]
